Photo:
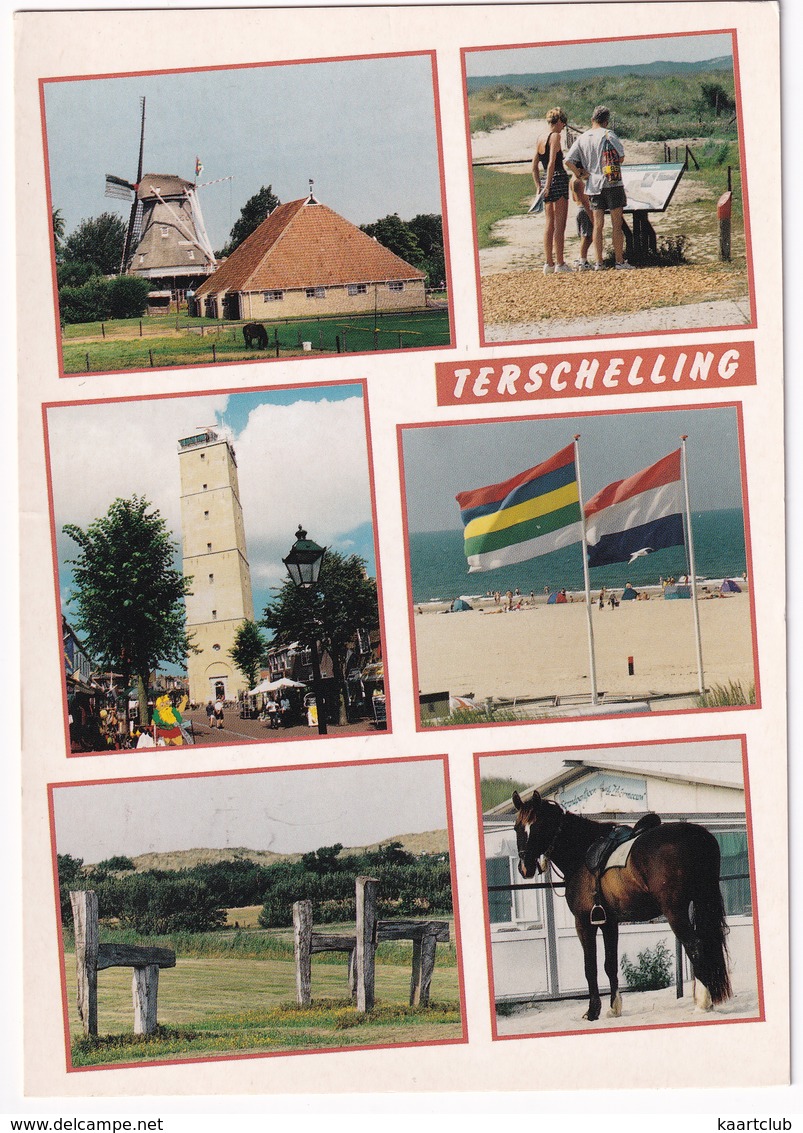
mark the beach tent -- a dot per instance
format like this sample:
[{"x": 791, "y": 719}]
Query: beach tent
[
  {"x": 675, "y": 591},
  {"x": 628, "y": 594},
  {"x": 556, "y": 597},
  {"x": 730, "y": 587},
  {"x": 460, "y": 604}
]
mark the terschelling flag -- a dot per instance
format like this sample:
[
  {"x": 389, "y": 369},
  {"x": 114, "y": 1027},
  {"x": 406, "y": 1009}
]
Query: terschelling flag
[
  {"x": 534, "y": 513},
  {"x": 636, "y": 516},
  {"x": 198, "y": 167}
]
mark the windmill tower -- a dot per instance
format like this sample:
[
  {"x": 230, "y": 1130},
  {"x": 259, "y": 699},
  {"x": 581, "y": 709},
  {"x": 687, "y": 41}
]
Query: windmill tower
[
  {"x": 166, "y": 239},
  {"x": 215, "y": 557}
]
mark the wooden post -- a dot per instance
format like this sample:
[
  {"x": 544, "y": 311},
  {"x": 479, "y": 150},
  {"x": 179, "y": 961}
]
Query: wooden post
[
  {"x": 423, "y": 967},
  {"x": 366, "y": 941},
  {"x": 302, "y": 950},
  {"x": 85, "y": 917},
  {"x": 353, "y": 974},
  {"x": 145, "y": 989}
]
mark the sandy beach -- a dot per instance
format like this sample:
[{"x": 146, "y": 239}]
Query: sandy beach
[{"x": 542, "y": 650}]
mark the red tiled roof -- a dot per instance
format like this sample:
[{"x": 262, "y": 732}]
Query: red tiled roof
[{"x": 306, "y": 244}]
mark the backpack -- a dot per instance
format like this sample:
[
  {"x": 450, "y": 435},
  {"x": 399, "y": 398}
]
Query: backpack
[{"x": 611, "y": 169}]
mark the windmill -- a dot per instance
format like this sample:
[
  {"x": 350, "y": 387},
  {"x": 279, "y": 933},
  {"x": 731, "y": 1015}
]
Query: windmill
[{"x": 166, "y": 238}]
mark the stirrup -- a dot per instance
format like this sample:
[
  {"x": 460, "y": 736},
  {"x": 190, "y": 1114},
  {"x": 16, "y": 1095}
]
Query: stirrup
[{"x": 597, "y": 916}]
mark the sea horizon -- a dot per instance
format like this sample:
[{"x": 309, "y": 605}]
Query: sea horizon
[{"x": 439, "y": 571}]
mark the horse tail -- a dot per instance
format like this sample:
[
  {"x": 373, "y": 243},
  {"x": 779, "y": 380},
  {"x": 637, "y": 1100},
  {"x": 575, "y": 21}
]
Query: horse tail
[{"x": 711, "y": 929}]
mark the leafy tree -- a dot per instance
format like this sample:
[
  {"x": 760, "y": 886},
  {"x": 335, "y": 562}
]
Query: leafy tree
[
  {"x": 128, "y": 296},
  {"x": 716, "y": 98},
  {"x": 73, "y": 273},
  {"x": 59, "y": 228},
  {"x": 248, "y": 650},
  {"x": 98, "y": 241},
  {"x": 128, "y": 593},
  {"x": 345, "y": 602},
  {"x": 428, "y": 231},
  {"x": 323, "y": 860},
  {"x": 253, "y": 212},
  {"x": 397, "y": 237}
]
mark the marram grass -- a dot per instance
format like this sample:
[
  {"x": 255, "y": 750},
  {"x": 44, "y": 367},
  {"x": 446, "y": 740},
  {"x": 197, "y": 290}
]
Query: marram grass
[{"x": 731, "y": 695}]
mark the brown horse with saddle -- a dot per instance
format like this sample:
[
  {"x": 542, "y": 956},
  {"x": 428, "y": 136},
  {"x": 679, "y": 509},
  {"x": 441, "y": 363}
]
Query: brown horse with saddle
[{"x": 672, "y": 871}]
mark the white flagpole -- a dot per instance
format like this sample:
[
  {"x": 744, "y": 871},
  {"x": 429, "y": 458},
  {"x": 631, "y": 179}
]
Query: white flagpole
[
  {"x": 692, "y": 568},
  {"x": 592, "y": 659}
]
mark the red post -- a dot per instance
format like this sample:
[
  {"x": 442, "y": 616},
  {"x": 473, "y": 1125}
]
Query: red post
[
  {"x": 724, "y": 206},
  {"x": 630, "y": 666}
]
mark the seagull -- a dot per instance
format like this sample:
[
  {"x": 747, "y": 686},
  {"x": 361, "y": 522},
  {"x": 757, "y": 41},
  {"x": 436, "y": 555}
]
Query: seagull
[{"x": 639, "y": 554}]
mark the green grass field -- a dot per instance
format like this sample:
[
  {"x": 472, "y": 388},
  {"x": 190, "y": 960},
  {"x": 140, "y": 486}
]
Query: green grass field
[
  {"x": 161, "y": 342},
  {"x": 242, "y": 1001}
]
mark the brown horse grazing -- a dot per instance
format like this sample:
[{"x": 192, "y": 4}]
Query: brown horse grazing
[{"x": 672, "y": 871}]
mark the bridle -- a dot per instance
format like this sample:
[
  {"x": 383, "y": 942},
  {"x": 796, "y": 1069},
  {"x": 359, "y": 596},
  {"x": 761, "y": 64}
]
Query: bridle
[{"x": 546, "y": 856}]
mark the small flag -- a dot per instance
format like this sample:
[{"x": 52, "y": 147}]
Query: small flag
[
  {"x": 198, "y": 167},
  {"x": 534, "y": 513},
  {"x": 636, "y": 516}
]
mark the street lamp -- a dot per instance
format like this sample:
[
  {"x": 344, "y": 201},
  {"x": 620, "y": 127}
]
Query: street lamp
[{"x": 304, "y": 567}]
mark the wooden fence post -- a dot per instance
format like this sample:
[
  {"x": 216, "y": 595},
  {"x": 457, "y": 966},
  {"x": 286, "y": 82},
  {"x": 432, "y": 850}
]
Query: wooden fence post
[
  {"x": 302, "y": 949},
  {"x": 366, "y": 941},
  {"x": 145, "y": 990},
  {"x": 85, "y": 917},
  {"x": 423, "y": 967}
]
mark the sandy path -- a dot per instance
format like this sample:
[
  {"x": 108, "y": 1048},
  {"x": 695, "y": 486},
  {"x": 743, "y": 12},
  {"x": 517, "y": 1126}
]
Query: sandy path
[{"x": 543, "y": 650}]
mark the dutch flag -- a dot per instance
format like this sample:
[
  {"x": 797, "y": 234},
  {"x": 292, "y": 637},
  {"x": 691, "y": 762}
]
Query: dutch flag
[{"x": 636, "y": 516}]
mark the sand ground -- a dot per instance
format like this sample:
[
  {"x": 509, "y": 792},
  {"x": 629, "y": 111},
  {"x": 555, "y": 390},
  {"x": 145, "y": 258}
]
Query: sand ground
[{"x": 542, "y": 650}]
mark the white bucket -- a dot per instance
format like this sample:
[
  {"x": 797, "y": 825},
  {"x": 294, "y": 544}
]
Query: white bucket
[{"x": 306, "y": 346}]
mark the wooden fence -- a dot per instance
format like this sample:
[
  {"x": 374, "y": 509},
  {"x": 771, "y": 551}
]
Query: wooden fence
[
  {"x": 361, "y": 948},
  {"x": 92, "y": 957}
]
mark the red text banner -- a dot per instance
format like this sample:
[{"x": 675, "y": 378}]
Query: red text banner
[{"x": 718, "y": 365}]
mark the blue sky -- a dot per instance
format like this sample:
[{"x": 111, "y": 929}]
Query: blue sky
[
  {"x": 302, "y": 459},
  {"x": 600, "y": 53},
  {"x": 290, "y": 811},
  {"x": 440, "y": 461},
  {"x": 363, "y": 130}
]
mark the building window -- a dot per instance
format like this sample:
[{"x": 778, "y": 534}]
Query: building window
[
  {"x": 214, "y": 615},
  {"x": 734, "y": 871},
  {"x": 203, "y": 456},
  {"x": 273, "y": 296},
  {"x": 508, "y": 906},
  {"x": 165, "y": 232},
  {"x": 396, "y": 285},
  {"x": 316, "y": 292},
  {"x": 206, "y": 515},
  {"x": 203, "y": 486},
  {"x": 191, "y": 254},
  {"x": 211, "y": 578},
  {"x": 216, "y": 647},
  {"x": 209, "y": 546},
  {"x": 357, "y": 288}
]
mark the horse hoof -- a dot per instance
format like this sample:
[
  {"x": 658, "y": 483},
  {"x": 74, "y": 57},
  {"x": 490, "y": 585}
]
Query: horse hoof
[
  {"x": 591, "y": 1016},
  {"x": 615, "y": 1010},
  {"x": 702, "y": 997}
]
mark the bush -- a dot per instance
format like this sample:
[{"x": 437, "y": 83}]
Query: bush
[
  {"x": 653, "y": 970},
  {"x": 88, "y": 303},
  {"x": 128, "y": 296}
]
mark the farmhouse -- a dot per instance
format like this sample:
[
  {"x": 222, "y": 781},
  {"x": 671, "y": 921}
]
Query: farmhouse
[
  {"x": 305, "y": 260},
  {"x": 534, "y": 947}
]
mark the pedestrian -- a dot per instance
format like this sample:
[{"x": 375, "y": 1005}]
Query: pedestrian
[
  {"x": 548, "y": 159},
  {"x": 210, "y": 713},
  {"x": 218, "y": 710},
  {"x": 597, "y": 157},
  {"x": 584, "y": 221}
]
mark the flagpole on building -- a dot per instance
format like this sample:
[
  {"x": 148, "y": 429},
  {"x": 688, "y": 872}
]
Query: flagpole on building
[
  {"x": 592, "y": 658},
  {"x": 692, "y": 568}
]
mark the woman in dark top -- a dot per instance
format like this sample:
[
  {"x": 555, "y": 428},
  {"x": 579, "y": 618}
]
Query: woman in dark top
[{"x": 548, "y": 162}]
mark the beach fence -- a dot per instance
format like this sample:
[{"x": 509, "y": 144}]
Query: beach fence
[
  {"x": 361, "y": 948},
  {"x": 92, "y": 957}
]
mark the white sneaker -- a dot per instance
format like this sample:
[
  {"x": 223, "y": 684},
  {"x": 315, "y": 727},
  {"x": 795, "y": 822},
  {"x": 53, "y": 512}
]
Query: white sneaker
[
  {"x": 624, "y": 266},
  {"x": 599, "y": 267},
  {"x": 548, "y": 269},
  {"x": 559, "y": 268},
  {"x": 583, "y": 265}
]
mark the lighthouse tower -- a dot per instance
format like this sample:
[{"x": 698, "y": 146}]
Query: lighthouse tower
[{"x": 215, "y": 557}]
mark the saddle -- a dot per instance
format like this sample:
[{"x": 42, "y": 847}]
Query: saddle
[{"x": 599, "y": 852}]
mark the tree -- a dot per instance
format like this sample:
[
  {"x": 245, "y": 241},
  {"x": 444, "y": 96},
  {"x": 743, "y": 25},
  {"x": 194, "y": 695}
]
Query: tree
[
  {"x": 253, "y": 212},
  {"x": 98, "y": 241},
  {"x": 248, "y": 650},
  {"x": 428, "y": 231},
  {"x": 128, "y": 593},
  {"x": 345, "y": 602},
  {"x": 59, "y": 228},
  {"x": 71, "y": 876},
  {"x": 397, "y": 237}
]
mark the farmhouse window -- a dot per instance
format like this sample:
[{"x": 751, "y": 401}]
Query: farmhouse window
[
  {"x": 272, "y": 296},
  {"x": 165, "y": 232},
  {"x": 357, "y": 288},
  {"x": 316, "y": 292},
  {"x": 396, "y": 285}
]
